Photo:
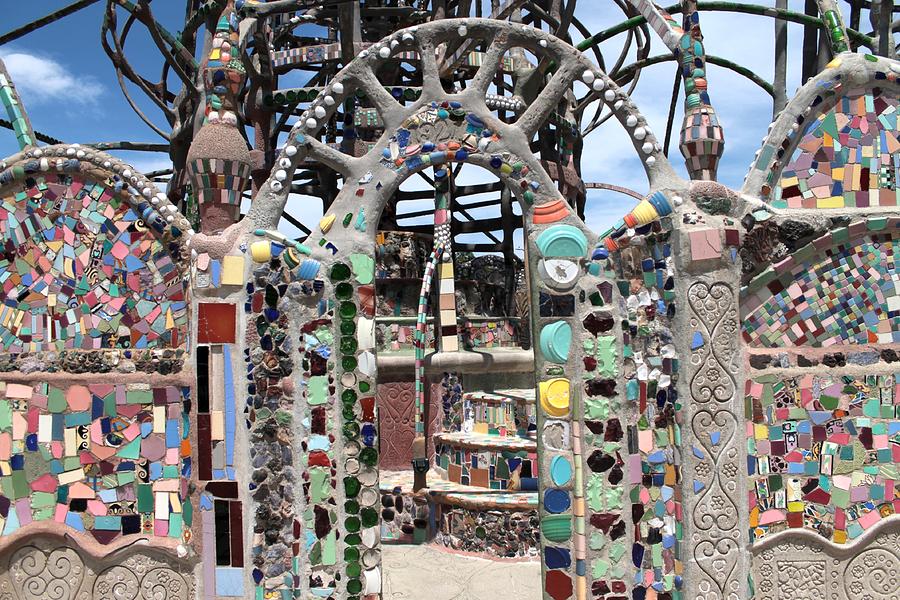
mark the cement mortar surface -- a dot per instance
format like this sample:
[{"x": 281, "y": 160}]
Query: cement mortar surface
[{"x": 417, "y": 572}]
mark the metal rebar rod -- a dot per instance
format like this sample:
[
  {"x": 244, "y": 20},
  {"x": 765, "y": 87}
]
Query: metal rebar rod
[{"x": 45, "y": 20}]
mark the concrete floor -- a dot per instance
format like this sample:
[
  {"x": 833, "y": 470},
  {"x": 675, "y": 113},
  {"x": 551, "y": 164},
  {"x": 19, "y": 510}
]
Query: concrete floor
[{"x": 427, "y": 572}]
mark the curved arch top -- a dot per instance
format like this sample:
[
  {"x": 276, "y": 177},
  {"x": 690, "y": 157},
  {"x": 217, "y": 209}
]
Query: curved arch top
[
  {"x": 570, "y": 65},
  {"x": 819, "y": 94},
  {"x": 94, "y": 255}
]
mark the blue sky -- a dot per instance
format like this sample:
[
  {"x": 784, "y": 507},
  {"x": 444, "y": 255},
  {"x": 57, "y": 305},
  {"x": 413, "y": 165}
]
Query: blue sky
[{"x": 70, "y": 89}]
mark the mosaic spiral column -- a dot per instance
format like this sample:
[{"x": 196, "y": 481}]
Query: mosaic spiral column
[
  {"x": 448, "y": 341},
  {"x": 15, "y": 110},
  {"x": 702, "y": 138},
  {"x": 218, "y": 161}
]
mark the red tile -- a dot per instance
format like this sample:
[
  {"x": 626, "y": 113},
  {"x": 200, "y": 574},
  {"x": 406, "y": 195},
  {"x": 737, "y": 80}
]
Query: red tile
[
  {"x": 216, "y": 323},
  {"x": 236, "y": 531}
]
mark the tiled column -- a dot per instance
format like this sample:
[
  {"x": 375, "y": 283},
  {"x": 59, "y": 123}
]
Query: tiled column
[
  {"x": 448, "y": 340},
  {"x": 713, "y": 447}
]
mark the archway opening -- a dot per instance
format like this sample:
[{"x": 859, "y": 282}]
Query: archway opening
[{"x": 478, "y": 416}]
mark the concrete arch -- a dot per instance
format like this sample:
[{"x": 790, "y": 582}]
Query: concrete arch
[
  {"x": 819, "y": 94},
  {"x": 571, "y": 66},
  {"x": 332, "y": 302}
]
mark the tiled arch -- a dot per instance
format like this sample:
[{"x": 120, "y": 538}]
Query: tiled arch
[{"x": 95, "y": 434}]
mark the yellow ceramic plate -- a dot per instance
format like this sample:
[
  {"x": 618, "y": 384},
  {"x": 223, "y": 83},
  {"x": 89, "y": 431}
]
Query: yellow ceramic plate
[{"x": 555, "y": 396}]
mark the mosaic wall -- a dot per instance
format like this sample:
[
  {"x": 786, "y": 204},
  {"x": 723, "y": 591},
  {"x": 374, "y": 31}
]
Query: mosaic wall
[
  {"x": 323, "y": 535},
  {"x": 109, "y": 460},
  {"x": 823, "y": 453},
  {"x": 502, "y": 463},
  {"x": 396, "y": 337},
  {"x": 838, "y": 290},
  {"x": 848, "y": 156},
  {"x": 645, "y": 271},
  {"x": 93, "y": 263},
  {"x": 500, "y": 533},
  {"x": 84, "y": 269}
]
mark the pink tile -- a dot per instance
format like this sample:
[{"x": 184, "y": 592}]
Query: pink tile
[{"x": 706, "y": 244}]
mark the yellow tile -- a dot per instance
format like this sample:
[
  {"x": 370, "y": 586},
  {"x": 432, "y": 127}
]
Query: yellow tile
[
  {"x": 233, "y": 270},
  {"x": 833, "y": 202}
]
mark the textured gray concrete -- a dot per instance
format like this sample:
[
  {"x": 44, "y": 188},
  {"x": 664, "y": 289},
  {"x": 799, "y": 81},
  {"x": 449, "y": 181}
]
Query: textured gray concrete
[{"x": 416, "y": 572}]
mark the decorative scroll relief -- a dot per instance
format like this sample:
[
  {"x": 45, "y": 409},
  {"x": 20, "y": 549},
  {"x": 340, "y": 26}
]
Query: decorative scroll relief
[
  {"x": 803, "y": 568},
  {"x": 46, "y": 570},
  {"x": 714, "y": 460}
]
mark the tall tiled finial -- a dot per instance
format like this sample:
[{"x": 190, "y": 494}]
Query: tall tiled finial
[
  {"x": 219, "y": 161},
  {"x": 702, "y": 138},
  {"x": 16, "y": 110}
]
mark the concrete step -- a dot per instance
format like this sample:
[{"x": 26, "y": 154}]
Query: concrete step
[{"x": 487, "y": 461}]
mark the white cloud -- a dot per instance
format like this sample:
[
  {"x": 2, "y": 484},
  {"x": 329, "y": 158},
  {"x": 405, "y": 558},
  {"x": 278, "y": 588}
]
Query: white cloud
[
  {"x": 42, "y": 80},
  {"x": 146, "y": 163}
]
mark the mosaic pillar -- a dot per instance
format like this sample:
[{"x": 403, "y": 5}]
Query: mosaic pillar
[
  {"x": 317, "y": 525},
  {"x": 712, "y": 447},
  {"x": 439, "y": 130},
  {"x": 560, "y": 287},
  {"x": 218, "y": 161},
  {"x": 641, "y": 459}
]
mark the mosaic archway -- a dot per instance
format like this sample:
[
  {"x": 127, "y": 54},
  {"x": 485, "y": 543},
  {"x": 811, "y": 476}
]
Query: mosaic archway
[
  {"x": 330, "y": 279},
  {"x": 121, "y": 397}
]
